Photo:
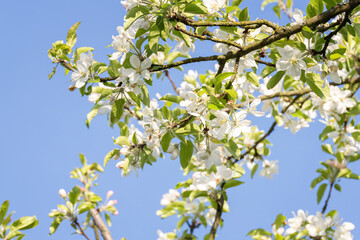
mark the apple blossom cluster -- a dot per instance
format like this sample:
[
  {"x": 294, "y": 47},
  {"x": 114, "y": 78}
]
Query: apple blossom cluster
[
  {"x": 305, "y": 71},
  {"x": 193, "y": 205},
  {"x": 305, "y": 226}
]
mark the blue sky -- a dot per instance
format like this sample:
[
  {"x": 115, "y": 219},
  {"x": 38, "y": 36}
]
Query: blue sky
[{"x": 42, "y": 130}]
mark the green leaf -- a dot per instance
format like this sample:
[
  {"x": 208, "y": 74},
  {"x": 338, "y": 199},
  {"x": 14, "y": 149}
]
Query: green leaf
[
  {"x": 122, "y": 141},
  {"x": 165, "y": 141},
  {"x": 314, "y": 81},
  {"x": 253, "y": 170},
  {"x": 54, "y": 225},
  {"x": 186, "y": 151},
  {"x": 222, "y": 76},
  {"x": 133, "y": 14},
  {"x": 74, "y": 194},
  {"x": 196, "y": 8},
  {"x": 110, "y": 155},
  {"x": 85, "y": 206},
  {"x": 3, "y": 210},
  {"x": 252, "y": 78},
  {"x": 327, "y": 148},
  {"x": 154, "y": 36},
  {"x": 145, "y": 99},
  {"x": 320, "y": 192},
  {"x": 108, "y": 220},
  {"x": 232, "y": 183},
  {"x": 113, "y": 68},
  {"x": 236, "y": 2},
  {"x": 275, "y": 79},
  {"x": 23, "y": 224},
  {"x": 71, "y": 35},
  {"x": 117, "y": 110},
  {"x": 266, "y": 2},
  {"x": 330, "y": 3},
  {"x": 267, "y": 70},
  {"x": 244, "y": 15},
  {"x": 279, "y": 221},
  {"x": 338, "y": 187},
  {"x": 91, "y": 115},
  {"x": 172, "y": 98}
]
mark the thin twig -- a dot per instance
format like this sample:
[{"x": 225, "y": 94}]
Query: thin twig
[
  {"x": 220, "y": 205},
  {"x": 328, "y": 198},
  {"x": 329, "y": 37},
  {"x": 202, "y": 37},
  {"x": 271, "y": 129},
  {"x": 167, "y": 74},
  {"x": 81, "y": 230}
]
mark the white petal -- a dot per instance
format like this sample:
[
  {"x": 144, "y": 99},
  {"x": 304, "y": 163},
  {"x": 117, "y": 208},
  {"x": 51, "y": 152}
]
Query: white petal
[{"x": 135, "y": 61}]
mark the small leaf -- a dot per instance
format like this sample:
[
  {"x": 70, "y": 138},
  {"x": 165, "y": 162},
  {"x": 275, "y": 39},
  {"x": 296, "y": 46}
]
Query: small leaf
[
  {"x": 253, "y": 170},
  {"x": 252, "y": 78},
  {"x": 195, "y": 8},
  {"x": 74, "y": 194},
  {"x": 279, "y": 221},
  {"x": 85, "y": 206},
  {"x": 338, "y": 187},
  {"x": 165, "y": 141},
  {"x": 110, "y": 155},
  {"x": 54, "y": 225},
  {"x": 321, "y": 191},
  {"x": 117, "y": 110},
  {"x": 122, "y": 141},
  {"x": 232, "y": 183},
  {"x": 275, "y": 79},
  {"x": 186, "y": 151},
  {"x": 71, "y": 35},
  {"x": 3, "y": 210}
]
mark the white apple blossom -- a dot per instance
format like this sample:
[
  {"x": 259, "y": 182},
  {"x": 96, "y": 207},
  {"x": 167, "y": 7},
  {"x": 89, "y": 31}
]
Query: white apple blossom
[
  {"x": 169, "y": 197},
  {"x": 269, "y": 169},
  {"x": 121, "y": 43},
  {"x": 343, "y": 232},
  {"x": 296, "y": 223},
  {"x": 140, "y": 69},
  {"x": 162, "y": 236},
  {"x": 82, "y": 74},
  {"x": 251, "y": 108},
  {"x": 291, "y": 61},
  {"x": 317, "y": 225},
  {"x": 213, "y": 5},
  {"x": 62, "y": 193}
]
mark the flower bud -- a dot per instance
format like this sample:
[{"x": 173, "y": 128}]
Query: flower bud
[
  {"x": 62, "y": 193},
  {"x": 72, "y": 88},
  {"x": 109, "y": 194}
]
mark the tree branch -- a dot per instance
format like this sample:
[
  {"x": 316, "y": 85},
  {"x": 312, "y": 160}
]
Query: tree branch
[
  {"x": 280, "y": 33},
  {"x": 104, "y": 230}
]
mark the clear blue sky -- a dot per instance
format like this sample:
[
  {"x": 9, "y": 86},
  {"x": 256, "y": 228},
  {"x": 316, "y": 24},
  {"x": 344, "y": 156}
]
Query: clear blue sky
[{"x": 42, "y": 130}]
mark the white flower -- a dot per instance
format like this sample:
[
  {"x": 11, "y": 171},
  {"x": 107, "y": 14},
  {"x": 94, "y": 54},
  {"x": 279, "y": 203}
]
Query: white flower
[
  {"x": 343, "y": 232},
  {"x": 140, "y": 69},
  {"x": 317, "y": 225},
  {"x": 210, "y": 216},
  {"x": 162, "y": 236},
  {"x": 290, "y": 61},
  {"x": 252, "y": 108},
  {"x": 214, "y": 5},
  {"x": 174, "y": 150},
  {"x": 298, "y": 17},
  {"x": 202, "y": 182},
  {"x": 296, "y": 222},
  {"x": 120, "y": 43},
  {"x": 269, "y": 169},
  {"x": 191, "y": 206},
  {"x": 82, "y": 74},
  {"x": 170, "y": 197}
]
